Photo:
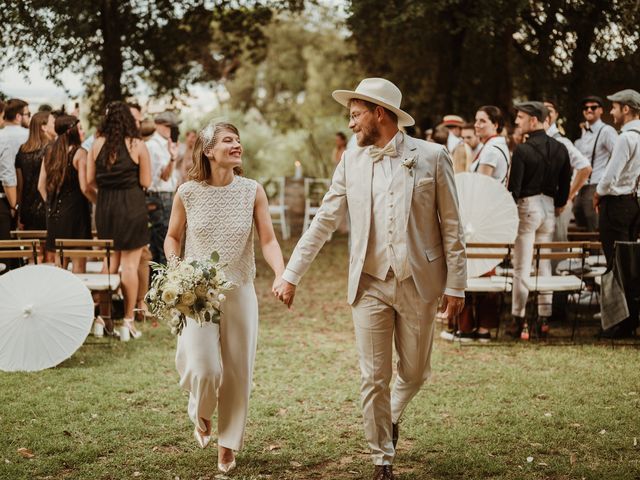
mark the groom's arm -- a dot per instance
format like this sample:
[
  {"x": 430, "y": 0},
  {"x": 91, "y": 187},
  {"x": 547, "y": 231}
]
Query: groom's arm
[
  {"x": 451, "y": 227},
  {"x": 331, "y": 213}
]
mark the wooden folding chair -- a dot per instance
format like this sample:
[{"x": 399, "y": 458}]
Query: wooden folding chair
[
  {"x": 19, "y": 250},
  {"x": 548, "y": 284},
  {"x": 500, "y": 284},
  {"x": 101, "y": 283}
]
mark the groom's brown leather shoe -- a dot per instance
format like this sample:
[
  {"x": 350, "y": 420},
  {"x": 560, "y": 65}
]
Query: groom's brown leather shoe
[{"x": 383, "y": 472}]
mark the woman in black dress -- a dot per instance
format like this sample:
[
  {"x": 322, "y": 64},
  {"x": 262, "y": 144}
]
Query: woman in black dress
[
  {"x": 119, "y": 166},
  {"x": 64, "y": 188},
  {"x": 28, "y": 164}
]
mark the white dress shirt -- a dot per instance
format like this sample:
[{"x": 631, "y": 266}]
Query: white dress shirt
[
  {"x": 452, "y": 141},
  {"x": 623, "y": 171},
  {"x": 606, "y": 141},
  {"x": 160, "y": 157},
  {"x": 494, "y": 153},
  {"x": 576, "y": 158},
  {"x": 11, "y": 138}
]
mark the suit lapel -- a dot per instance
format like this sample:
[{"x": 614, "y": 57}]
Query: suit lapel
[{"x": 410, "y": 151}]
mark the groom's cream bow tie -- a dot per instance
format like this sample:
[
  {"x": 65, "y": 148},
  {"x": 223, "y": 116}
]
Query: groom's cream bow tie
[{"x": 378, "y": 153}]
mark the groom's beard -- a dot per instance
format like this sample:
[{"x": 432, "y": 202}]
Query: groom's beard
[{"x": 369, "y": 135}]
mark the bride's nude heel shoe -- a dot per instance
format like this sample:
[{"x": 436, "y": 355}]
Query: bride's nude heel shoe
[
  {"x": 203, "y": 440},
  {"x": 226, "y": 467}
]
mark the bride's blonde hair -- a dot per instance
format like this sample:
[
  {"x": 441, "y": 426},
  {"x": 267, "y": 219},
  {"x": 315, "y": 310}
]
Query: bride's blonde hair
[{"x": 207, "y": 139}]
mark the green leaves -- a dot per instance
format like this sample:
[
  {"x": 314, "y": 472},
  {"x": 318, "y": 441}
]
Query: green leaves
[{"x": 215, "y": 257}]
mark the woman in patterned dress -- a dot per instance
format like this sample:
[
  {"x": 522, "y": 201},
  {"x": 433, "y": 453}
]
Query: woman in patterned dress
[{"x": 217, "y": 209}]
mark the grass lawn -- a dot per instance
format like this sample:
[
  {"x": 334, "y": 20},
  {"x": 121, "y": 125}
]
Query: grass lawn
[{"x": 506, "y": 411}]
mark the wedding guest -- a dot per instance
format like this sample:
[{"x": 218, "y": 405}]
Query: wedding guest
[
  {"x": 185, "y": 156},
  {"x": 470, "y": 138},
  {"x": 617, "y": 194},
  {"x": 440, "y": 135},
  {"x": 119, "y": 166},
  {"x": 63, "y": 187},
  {"x": 163, "y": 154},
  {"x": 340, "y": 147},
  {"x": 579, "y": 165},
  {"x": 596, "y": 144},
  {"x": 217, "y": 210},
  {"x": 454, "y": 124},
  {"x": 12, "y": 136},
  {"x": 28, "y": 164},
  {"x": 493, "y": 159},
  {"x": 539, "y": 182}
]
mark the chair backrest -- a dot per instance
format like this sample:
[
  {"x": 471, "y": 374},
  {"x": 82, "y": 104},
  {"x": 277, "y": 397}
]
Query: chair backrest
[
  {"x": 73, "y": 248},
  {"x": 274, "y": 188},
  {"x": 583, "y": 236},
  {"x": 315, "y": 189},
  {"x": 20, "y": 249},
  {"x": 561, "y": 250},
  {"x": 489, "y": 250},
  {"x": 29, "y": 234}
]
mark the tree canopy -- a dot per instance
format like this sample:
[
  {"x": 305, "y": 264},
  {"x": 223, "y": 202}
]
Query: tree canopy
[
  {"x": 116, "y": 44},
  {"x": 451, "y": 56}
]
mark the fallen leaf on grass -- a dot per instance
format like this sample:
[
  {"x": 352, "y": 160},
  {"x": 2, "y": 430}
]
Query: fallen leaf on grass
[
  {"x": 635, "y": 441},
  {"x": 25, "y": 453},
  {"x": 529, "y": 459},
  {"x": 542, "y": 464},
  {"x": 295, "y": 464},
  {"x": 575, "y": 425},
  {"x": 535, "y": 445},
  {"x": 136, "y": 474},
  {"x": 602, "y": 432},
  {"x": 572, "y": 459},
  {"x": 282, "y": 412},
  {"x": 273, "y": 447},
  {"x": 548, "y": 414},
  {"x": 6, "y": 460},
  {"x": 542, "y": 396}
]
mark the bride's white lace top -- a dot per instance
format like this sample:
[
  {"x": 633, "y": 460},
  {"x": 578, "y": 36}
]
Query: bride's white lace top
[{"x": 221, "y": 219}]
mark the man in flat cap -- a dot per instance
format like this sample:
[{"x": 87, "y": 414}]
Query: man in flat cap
[
  {"x": 539, "y": 182},
  {"x": 407, "y": 250},
  {"x": 163, "y": 153},
  {"x": 617, "y": 193},
  {"x": 596, "y": 144},
  {"x": 454, "y": 124}
]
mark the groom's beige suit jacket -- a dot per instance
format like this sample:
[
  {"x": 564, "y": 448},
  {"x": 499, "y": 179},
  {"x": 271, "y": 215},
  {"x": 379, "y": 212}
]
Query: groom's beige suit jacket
[{"x": 434, "y": 236}]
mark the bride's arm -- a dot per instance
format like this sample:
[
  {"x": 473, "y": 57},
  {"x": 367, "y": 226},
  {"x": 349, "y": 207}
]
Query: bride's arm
[
  {"x": 175, "y": 232},
  {"x": 268, "y": 241}
]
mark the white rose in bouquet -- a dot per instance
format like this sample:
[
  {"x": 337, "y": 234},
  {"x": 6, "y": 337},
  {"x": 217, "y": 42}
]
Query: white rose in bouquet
[
  {"x": 170, "y": 294},
  {"x": 186, "y": 269},
  {"x": 188, "y": 298},
  {"x": 221, "y": 297}
]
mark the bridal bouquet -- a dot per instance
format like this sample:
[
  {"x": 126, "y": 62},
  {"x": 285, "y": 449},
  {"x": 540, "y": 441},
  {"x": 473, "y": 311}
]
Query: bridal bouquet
[{"x": 187, "y": 288}]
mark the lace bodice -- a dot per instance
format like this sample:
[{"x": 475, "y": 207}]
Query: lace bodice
[{"x": 221, "y": 219}]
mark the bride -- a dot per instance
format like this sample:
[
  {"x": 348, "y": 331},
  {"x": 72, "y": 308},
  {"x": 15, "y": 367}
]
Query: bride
[{"x": 218, "y": 209}]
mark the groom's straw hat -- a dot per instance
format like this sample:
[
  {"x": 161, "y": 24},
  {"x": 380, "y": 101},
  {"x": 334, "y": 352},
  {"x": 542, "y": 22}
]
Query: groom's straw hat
[{"x": 379, "y": 91}]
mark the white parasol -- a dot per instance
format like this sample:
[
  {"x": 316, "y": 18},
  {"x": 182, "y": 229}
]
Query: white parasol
[
  {"x": 45, "y": 316},
  {"x": 489, "y": 215}
]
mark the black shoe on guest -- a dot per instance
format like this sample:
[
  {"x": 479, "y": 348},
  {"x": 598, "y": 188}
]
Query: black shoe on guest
[
  {"x": 616, "y": 332},
  {"x": 383, "y": 472},
  {"x": 394, "y": 434}
]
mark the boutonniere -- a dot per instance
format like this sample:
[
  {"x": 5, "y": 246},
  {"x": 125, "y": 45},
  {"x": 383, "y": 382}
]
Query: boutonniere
[{"x": 409, "y": 163}]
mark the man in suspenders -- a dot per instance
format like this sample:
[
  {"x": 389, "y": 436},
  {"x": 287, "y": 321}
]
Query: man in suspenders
[
  {"x": 579, "y": 164},
  {"x": 617, "y": 193},
  {"x": 596, "y": 144}
]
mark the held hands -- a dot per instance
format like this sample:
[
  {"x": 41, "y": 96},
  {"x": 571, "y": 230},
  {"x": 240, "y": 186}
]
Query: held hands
[
  {"x": 284, "y": 291},
  {"x": 452, "y": 306}
]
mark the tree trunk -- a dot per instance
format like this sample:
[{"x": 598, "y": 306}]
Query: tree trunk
[{"x": 111, "y": 54}]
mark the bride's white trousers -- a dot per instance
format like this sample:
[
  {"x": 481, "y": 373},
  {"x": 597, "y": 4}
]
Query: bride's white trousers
[{"x": 215, "y": 363}]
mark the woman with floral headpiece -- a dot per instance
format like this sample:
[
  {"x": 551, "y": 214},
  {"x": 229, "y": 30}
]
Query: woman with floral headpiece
[{"x": 217, "y": 209}]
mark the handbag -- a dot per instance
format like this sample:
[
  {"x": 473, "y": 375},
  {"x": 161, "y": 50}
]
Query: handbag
[{"x": 613, "y": 303}]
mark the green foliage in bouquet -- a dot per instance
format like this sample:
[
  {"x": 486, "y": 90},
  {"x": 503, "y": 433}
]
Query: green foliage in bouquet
[{"x": 188, "y": 288}]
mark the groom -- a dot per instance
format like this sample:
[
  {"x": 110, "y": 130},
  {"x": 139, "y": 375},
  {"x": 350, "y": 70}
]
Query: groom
[{"x": 407, "y": 250}]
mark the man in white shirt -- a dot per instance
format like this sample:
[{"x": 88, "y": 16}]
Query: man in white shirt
[
  {"x": 14, "y": 134},
  {"x": 579, "y": 164},
  {"x": 617, "y": 193},
  {"x": 596, "y": 144},
  {"x": 163, "y": 153}
]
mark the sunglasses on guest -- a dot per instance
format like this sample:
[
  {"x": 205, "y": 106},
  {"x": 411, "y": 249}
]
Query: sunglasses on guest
[{"x": 591, "y": 108}]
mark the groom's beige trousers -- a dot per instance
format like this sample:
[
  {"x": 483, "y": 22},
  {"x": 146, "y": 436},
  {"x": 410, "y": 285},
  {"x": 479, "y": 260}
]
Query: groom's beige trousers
[
  {"x": 386, "y": 312},
  {"x": 215, "y": 364}
]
